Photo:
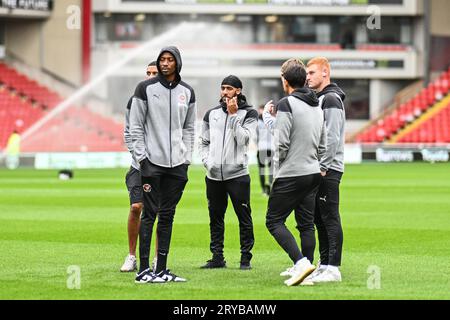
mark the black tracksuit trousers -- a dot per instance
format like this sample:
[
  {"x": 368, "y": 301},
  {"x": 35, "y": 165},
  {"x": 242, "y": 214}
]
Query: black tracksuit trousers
[
  {"x": 217, "y": 193},
  {"x": 328, "y": 220},
  {"x": 163, "y": 188},
  {"x": 287, "y": 195}
]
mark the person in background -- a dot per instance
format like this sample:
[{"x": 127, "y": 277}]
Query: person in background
[
  {"x": 12, "y": 150},
  {"x": 134, "y": 186},
  {"x": 265, "y": 153}
]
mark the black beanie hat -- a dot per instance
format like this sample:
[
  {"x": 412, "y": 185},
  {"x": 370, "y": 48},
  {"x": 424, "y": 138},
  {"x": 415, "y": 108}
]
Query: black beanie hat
[{"x": 232, "y": 81}]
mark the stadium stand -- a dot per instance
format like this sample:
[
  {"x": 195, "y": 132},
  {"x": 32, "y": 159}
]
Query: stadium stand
[
  {"x": 23, "y": 102},
  {"x": 77, "y": 130},
  {"x": 28, "y": 88},
  {"x": 423, "y": 118},
  {"x": 288, "y": 46},
  {"x": 432, "y": 127},
  {"x": 253, "y": 46},
  {"x": 382, "y": 47}
]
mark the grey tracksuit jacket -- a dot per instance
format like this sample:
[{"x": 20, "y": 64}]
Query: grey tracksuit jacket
[
  {"x": 127, "y": 135},
  {"x": 225, "y": 139},
  {"x": 162, "y": 119},
  {"x": 264, "y": 136},
  {"x": 300, "y": 135},
  {"x": 332, "y": 102}
]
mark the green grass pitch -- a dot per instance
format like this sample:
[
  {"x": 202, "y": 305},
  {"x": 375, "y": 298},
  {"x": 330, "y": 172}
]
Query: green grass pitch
[{"x": 395, "y": 217}]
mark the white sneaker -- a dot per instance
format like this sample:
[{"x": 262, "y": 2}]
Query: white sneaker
[
  {"x": 129, "y": 265},
  {"x": 302, "y": 269},
  {"x": 168, "y": 276},
  {"x": 306, "y": 283},
  {"x": 148, "y": 276},
  {"x": 314, "y": 274},
  {"x": 309, "y": 280},
  {"x": 287, "y": 272},
  {"x": 328, "y": 275}
]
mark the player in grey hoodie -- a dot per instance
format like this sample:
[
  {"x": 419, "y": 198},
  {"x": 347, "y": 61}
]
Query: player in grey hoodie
[
  {"x": 327, "y": 217},
  {"x": 162, "y": 124},
  {"x": 300, "y": 140}
]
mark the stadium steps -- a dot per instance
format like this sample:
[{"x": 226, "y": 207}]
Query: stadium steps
[
  {"x": 16, "y": 112},
  {"x": 428, "y": 128},
  {"x": 400, "y": 98},
  {"x": 23, "y": 86},
  {"x": 24, "y": 101},
  {"x": 77, "y": 130},
  {"x": 395, "y": 120}
]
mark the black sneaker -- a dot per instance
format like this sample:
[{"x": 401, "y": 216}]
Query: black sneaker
[
  {"x": 245, "y": 266},
  {"x": 168, "y": 276},
  {"x": 214, "y": 264},
  {"x": 147, "y": 276}
]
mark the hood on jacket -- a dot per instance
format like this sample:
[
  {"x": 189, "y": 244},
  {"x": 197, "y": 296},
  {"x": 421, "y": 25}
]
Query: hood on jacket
[
  {"x": 242, "y": 103},
  {"x": 176, "y": 53},
  {"x": 306, "y": 95},
  {"x": 333, "y": 87}
]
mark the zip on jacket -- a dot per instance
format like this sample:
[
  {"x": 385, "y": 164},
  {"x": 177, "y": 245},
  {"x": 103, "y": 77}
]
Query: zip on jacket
[
  {"x": 332, "y": 102},
  {"x": 223, "y": 144},
  {"x": 170, "y": 124},
  {"x": 149, "y": 118}
]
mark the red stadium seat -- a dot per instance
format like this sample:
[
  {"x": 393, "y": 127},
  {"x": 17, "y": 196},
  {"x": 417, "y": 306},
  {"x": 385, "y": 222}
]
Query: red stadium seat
[
  {"x": 434, "y": 130},
  {"x": 22, "y": 103},
  {"x": 411, "y": 110}
]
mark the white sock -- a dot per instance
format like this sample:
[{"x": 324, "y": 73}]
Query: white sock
[
  {"x": 323, "y": 267},
  {"x": 303, "y": 260},
  {"x": 333, "y": 269}
]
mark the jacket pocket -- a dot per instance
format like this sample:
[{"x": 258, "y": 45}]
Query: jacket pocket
[
  {"x": 145, "y": 168},
  {"x": 206, "y": 164},
  {"x": 242, "y": 159},
  {"x": 213, "y": 169},
  {"x": 183, "y": 148}
]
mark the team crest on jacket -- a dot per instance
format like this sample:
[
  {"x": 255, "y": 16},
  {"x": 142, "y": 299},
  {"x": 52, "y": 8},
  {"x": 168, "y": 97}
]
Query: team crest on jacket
[
  {"x": 182, "y": 101},
  {"x": 147, "y": 188}
]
